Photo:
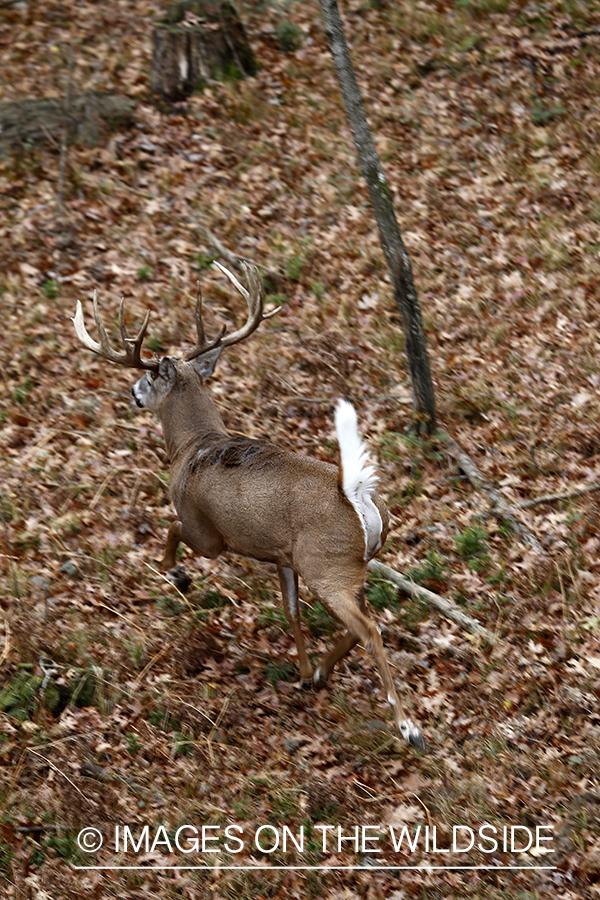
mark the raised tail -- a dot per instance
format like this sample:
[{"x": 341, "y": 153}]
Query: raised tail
[{"x": 358, "y": 478}]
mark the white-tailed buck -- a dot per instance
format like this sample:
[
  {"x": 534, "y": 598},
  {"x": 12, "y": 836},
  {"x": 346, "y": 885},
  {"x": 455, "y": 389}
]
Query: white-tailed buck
[{"x": 308, "y": 517}]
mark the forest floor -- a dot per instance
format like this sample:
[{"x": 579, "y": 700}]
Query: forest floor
[{"x": 124, "y": 702}]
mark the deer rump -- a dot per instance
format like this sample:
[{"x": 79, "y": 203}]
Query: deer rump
[{"x": 270, "y": 500}]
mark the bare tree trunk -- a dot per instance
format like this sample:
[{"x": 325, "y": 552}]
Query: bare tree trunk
[{"x": 389, "y": 233}]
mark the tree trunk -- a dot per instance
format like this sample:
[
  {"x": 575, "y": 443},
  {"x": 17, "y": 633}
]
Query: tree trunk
[
  {"x": 199, "y": 40},
  {"x": 389, "y": 233}
]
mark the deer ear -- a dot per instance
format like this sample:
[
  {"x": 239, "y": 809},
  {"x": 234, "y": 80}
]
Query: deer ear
[
  {"x": 165, "y": 367},
  {"x": 206, "y": 362}
]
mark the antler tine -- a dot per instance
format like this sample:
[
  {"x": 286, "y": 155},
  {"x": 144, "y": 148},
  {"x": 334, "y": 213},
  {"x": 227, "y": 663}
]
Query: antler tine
[
  {"x": 202, "y": 344},
  {"x": 133, "y": 348},
  {"x": 239, "y": 287},
  {"x": 81, "y": 330},
  {"x": 107, "y": 350},
  {"x": 130, "y": 355},
  {"x": 198, "y": 314},
  {"x": 254, "y": 298},
  {"x": 122, "y": 329}
]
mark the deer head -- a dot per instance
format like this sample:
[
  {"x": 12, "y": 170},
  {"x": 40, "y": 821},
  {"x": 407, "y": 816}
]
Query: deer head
[{"x": 163, "y": 374}]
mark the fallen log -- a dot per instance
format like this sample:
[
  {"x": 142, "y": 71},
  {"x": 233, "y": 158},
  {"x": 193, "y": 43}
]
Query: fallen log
[{"x": 84, "y": 118}]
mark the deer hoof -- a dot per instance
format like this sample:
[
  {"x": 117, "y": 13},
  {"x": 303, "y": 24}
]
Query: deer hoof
[
  {"x": 412, "y": 734},
  {"x": 180, "y": 578},
  {"x": 318, "y": 678}
]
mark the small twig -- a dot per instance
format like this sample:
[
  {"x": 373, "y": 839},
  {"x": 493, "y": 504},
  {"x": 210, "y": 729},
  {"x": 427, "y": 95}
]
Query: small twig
[
  {"x": 221, "y": 714},
  {"x": 9, "y": 552},
  {"x": 147, "y": 667},
  {"x": 300, "y": 398},
  {"x": 134, "y": 494},
  {"x": 169, "y": 582},
  {"x": 573, "y": 580},
  {"x": 6, "y": 648},
  {"x": 562, "y": 591},
  {"x": 195, "y": 708},
  {"x": 63, "y": 740},
  {"x": 367, "y": 795},
  {"x": 107, "y": 775},
  {"x": 107, "y": 479},
  {"x": 556, "y": 498},
  {"x": 14, "y": 780},
  {"x": 442, "y": 605},
  {"x": 500, "y": 506},
  {"x": 66, "y": 777},
  {"x": 121, "y": 616},
  {"x": 418, "y": 799}
]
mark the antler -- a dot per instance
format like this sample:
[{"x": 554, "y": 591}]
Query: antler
[
  {"x": 202, "y": 344},
  {"x": 254, "y": 298},
  {"x": 130, "y": 355}
]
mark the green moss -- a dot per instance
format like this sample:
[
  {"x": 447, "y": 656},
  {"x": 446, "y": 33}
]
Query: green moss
[
  {"x": 51, "y": 289},
  {"x": 144, "y": 273},
  {"x": 471, "y": 542},
  {"x": 19, "y": 697},
  {"x": 382, "y": 594},
  {"x": 289, "y": 35},
  {"x": 280, "y": 671}
]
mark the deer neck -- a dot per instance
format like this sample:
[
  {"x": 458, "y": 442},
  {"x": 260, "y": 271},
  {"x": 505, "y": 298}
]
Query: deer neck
[{"x": 188, "y": 417}]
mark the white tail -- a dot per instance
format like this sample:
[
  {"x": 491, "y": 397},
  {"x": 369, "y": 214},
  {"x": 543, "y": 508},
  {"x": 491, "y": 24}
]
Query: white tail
[{"x": 359, "y": 480}]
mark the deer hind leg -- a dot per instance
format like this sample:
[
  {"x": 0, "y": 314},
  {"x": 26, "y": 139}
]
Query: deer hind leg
[
  {"x": 341, "y": 649},
  {"x": 288, "y": 579},
  {"x": 361, "y": 628}
]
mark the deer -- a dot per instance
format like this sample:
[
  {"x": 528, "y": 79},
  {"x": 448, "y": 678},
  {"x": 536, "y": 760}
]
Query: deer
[{"x": 312, "y": 519}]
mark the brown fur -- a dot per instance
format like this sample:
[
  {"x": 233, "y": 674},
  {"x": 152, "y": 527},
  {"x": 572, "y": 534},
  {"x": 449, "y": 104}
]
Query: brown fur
[{"x": 232, "y": 492}]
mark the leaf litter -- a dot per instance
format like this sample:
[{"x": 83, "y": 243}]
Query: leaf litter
[{"x": 485, "y": 117}]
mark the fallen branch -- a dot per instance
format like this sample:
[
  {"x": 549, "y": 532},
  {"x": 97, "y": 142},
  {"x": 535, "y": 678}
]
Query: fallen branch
[
  {"x": 500, "y": 506},
  {"x": 234, "y": 259},
  {"x": 447, "y": 608},
  {"x": 556, "y": 498},
  {"x": 111, "y": 776}
]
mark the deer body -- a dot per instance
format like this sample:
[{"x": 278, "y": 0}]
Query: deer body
[{"x": 231, "y": 492}]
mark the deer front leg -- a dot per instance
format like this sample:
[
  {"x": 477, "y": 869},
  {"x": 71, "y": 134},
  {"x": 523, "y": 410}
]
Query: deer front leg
[
  {"x": 174, "y": 537},
  {"x": 200, "y": 535},
  {"x": 288, "y": 579}
]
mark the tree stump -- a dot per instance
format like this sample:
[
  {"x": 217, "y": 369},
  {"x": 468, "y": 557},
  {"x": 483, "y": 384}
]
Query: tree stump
[{"x": 199, "y": 40}]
